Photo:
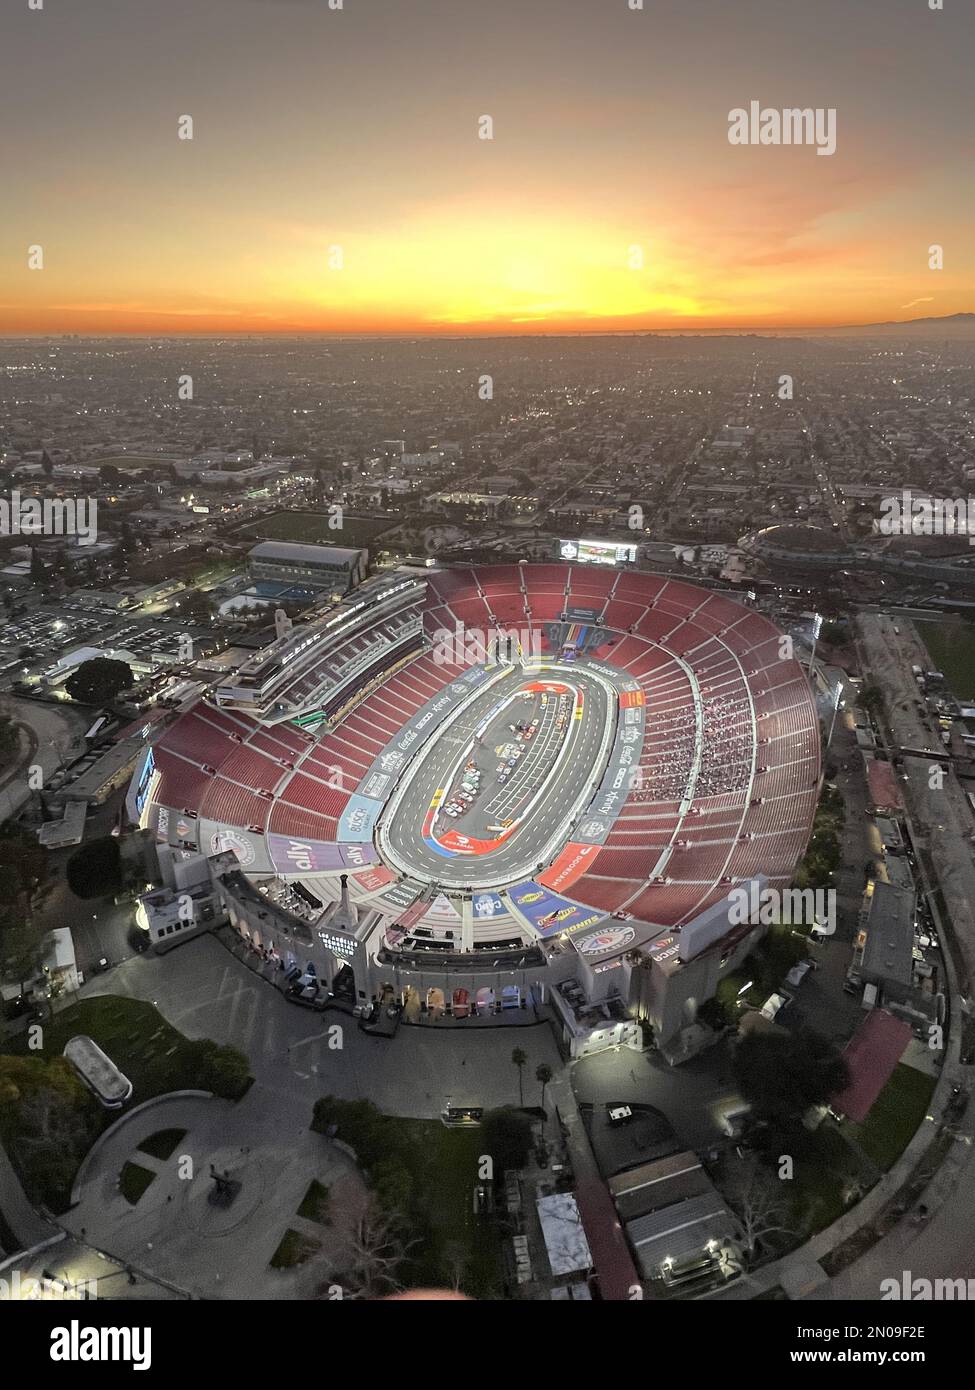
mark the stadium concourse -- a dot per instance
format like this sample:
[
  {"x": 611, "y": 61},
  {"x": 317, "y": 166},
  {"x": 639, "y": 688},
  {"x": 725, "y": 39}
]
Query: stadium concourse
[{"x": 485, "y": 786}]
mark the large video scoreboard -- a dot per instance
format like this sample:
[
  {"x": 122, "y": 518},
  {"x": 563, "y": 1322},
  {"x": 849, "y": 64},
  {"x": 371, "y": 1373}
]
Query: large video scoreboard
[{"x": 597, "y": 552}]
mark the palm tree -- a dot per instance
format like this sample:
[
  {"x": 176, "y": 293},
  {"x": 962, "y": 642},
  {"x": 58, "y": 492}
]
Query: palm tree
[
  {"x": 519, "y": 1059},
  {"x": 543, "y": 1073}
]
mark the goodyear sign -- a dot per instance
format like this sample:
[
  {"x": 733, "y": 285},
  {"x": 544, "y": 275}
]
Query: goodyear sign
[{"x": 548, "y": 912}]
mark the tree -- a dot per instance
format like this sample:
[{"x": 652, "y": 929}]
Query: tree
[
  {"x": 376, "y": 1250},
  {"x": 38, "y": 569},
  {"x": 95, "y": 870},
  {"x": 20, "y": 947},
  {"x": 519, "y": 1059},
  {"x": 98, "y": 681},
  {"x": 543, "y": 1074},
  {"x": 782, "y": 1075},
  {"x": 872, "y": 699},
  {"x": 506, "y": 1135},
  {"x": 223, "y": 1070},
  {"x": 109, "y": 475},
  {"x": 50, "y": 1119},
  {"x": 762, "y": 1204},
  {"x": 23, "y": 866},
  {"x": 47, "y": 463},
  {"x": 9, "y": 740},
  {"x": 392, "y": 1183},
  {"x": 194, "y": 604}
]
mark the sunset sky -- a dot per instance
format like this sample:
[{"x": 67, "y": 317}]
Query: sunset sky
[{"x": 357, "y": 128}]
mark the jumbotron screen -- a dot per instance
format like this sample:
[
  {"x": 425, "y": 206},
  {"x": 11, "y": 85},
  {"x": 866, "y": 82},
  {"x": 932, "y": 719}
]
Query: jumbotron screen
[{"x": 597, "y": 552}]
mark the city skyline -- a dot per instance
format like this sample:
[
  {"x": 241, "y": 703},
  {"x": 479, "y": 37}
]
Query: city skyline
[{"x": 336, "y": 182}]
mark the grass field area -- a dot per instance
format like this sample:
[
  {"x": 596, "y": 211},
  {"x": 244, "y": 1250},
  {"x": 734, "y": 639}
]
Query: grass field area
[
  {"x": 896, "y": 1114},
  {"x": 952, "y": 648},
  {"x": 312, "y": 528},
  {"x": 153, "y": 1055},
  {"x": 314, "y": 1204},
  {"x": 444, "y": 1163},
  {"x": 429, "y": 1179},
  {"x": 294, "y": 1249},
  {"x": 133, "y": 1181},
  {"x": 162, "y": 1143},
  {"x": 820, "y": 1177}
]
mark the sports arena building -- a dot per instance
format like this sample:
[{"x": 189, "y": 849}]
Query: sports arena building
[{"x": 477, "y": 788}]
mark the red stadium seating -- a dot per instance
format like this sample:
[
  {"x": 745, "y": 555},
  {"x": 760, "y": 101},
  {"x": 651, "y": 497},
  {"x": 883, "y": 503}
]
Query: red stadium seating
[{"x": 728, "y": 772}]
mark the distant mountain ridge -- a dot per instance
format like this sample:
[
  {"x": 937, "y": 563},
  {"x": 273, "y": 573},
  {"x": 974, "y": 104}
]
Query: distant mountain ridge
[{"x": 950, "y": 323}]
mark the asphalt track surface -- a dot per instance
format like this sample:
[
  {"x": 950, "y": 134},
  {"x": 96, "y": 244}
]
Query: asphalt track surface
[{"x": 518, "y": 857}]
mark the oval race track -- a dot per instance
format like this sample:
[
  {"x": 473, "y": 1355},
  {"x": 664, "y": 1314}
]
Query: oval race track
[{"x": 531, "y": 805}]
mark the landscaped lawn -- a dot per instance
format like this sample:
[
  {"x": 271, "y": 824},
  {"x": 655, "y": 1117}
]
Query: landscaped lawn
[
  {"x": 952, "y": 648},
  {"x": 314, "y": 1204},
  {"x": 896, "y": 1114},
  {"x": 156, "y": 1057},
  {"x": 162, "y": 1143},
  {"x": 434, "y": 1174},
  {"x": 445, "y": 1167},
  {"x": 133, "y": 1181},
  {"x": 820, "y": 1177},
  {"x": 294, "y": 1249}
]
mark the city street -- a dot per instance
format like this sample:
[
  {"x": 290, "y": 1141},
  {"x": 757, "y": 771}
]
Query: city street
[{"x": 939, "y": 811}]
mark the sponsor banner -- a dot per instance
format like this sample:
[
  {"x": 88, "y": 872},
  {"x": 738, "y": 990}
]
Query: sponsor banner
[
  {"x": 582, "y": 615},
  {"x": 399, "y": 895},
  {"x": 618, "y": 778},
  {"x": 235, "y": 841},
  {"x": 373, "y": 878},
  {"x": 376, "y": 785},
  {"x": 442, "y": 912},
  {"x": 592, "y": 830},
  {"x": 459, "y": 843},
  {"x": 358, "y": 821},
  {"x": 293, "y": 856},
  {"x": 173, "y": 827},
  {"x": 183, "y": 830},
  {"x": 607, "y": 965},
  {"x": 488, "y": 905},
  {"x": 570, "y": 865},
  {"x": 549, "y": 913},
  {"x": 548, "y": 688},
  {"x": 664, "y": 948}
]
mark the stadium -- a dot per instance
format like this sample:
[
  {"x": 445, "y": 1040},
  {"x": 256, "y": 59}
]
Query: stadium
[{"x": 476, "y": 789}]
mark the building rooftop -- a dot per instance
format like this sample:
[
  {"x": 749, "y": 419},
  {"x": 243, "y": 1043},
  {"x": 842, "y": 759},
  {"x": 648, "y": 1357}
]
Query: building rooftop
[
  {"x": 304, "y": 554},
  {"x": 679, "y": 1230},
  {"x": 888, "y": 956}
]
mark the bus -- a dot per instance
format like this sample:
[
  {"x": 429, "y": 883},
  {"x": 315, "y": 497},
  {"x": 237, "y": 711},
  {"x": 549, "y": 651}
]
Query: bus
[{"x": 98, "y": 1072}]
